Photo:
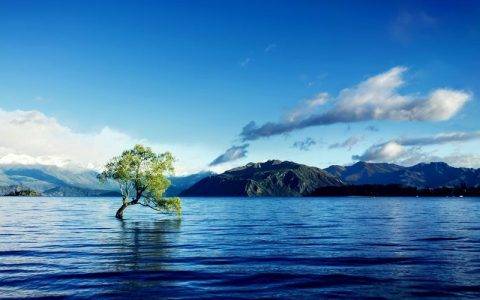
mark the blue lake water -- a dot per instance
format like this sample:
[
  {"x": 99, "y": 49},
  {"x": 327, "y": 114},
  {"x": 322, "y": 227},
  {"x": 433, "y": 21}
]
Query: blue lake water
[{"x": 242, "y": 248}]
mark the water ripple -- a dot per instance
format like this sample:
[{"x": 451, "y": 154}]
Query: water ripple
[{"x": 235, "y": 248}]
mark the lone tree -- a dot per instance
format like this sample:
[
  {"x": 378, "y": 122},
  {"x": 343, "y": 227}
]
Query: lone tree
[{"x": 141, "y": 175}]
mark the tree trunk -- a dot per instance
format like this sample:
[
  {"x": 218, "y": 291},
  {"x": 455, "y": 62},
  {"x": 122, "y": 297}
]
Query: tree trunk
[{"x": 119, "y": 214}]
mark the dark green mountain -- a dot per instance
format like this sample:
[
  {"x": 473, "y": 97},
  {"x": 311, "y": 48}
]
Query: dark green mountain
[
  {"x": 271, "y": 178},
  {"x": 424, "y": 175},
  {"x": 438, "y": 174},
  {"x": 365, "y": 173}
]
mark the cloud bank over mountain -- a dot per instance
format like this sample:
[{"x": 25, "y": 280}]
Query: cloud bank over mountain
[
  {"x": 376, "y": 98},
  {"x": 408, "y": 150},
  {"x": 31, "y": 137}
]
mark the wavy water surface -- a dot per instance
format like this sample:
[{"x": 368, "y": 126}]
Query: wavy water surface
[{"x": 241, "y": 248}]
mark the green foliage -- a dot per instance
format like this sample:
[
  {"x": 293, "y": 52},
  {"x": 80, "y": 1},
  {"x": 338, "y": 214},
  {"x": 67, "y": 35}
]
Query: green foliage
[
  {"x": 141, "y": 175},
  {"x": 173, "y": 204}
]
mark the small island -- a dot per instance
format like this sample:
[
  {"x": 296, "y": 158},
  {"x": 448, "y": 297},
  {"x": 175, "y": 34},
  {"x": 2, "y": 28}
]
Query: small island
[{"x": 23, "y": 193}]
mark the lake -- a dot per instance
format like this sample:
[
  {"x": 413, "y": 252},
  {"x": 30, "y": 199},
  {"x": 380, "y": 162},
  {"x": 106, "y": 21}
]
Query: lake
[{"x": 242, "y": 248}]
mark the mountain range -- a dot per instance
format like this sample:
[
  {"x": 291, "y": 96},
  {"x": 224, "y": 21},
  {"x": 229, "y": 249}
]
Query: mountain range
[
  {"x": 271, "y": 178},
  {"x": 276, "y": 178},
  {"x": 423, "y": 175}
]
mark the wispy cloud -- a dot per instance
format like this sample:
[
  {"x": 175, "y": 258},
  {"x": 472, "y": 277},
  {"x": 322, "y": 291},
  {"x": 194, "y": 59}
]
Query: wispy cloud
[
  {"x": 232, "y": 153},
  {"x": 442, "y": 138},
  {"x": 348, "y": 143},
  {"x": 376, "y": 98},
  {"x": 407, "y": 24},
  {"x": 245, "y": 62},
  {"x": 311, "y": 81},
  {"x": 270, "y": 47},
  {"x": 304, "y": 145},
  {"x": 254, "y": 55}
]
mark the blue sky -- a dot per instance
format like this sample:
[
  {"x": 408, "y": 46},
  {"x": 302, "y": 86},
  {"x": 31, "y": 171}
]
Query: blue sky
[{"x": 188, "y": 76}]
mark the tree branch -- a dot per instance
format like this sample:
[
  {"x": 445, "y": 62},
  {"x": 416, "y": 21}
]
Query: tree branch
[{"x": 152, "y": 207}]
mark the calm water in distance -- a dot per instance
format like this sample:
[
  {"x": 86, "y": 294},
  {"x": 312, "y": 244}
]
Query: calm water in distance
[{"x": 242, "y": 248}]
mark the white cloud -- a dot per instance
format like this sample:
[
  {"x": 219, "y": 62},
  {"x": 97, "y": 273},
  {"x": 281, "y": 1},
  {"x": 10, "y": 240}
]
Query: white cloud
[
  {"x": 31, "y": 137},
  {"x": 307, "y": 108},
  {"x": 415, "y": 156},
  {"x": 12, "y": 158},
  {"x": 441, "y": 105},
  {"x": 389, "y": 151},
  {"x": 231, "y": 154},
  {"x": 463, "y": 160},
  {"x": 376, "y": 98}
]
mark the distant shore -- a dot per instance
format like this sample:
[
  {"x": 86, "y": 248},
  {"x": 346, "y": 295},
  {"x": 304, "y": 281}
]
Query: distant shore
[{"x": 395, "y": 190}]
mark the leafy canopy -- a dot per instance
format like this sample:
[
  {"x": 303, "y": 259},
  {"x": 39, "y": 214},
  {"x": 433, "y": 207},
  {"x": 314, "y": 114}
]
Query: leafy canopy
[{"x": 141, "y": 175}]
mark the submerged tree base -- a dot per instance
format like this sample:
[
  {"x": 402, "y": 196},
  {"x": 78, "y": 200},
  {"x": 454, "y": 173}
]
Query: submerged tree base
[
  {"x": 165, "y": 205},
  {"x": 119, "y": 214}
]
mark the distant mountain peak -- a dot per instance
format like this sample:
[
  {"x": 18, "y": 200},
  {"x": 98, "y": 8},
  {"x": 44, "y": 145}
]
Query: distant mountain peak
[
  {"x": 360, "y": 163},
  {"x": 422, "y": 175},
  {"x": 434, "y": 163},
  {"x": 274, "y": 163}
]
